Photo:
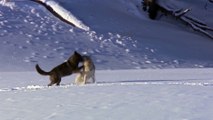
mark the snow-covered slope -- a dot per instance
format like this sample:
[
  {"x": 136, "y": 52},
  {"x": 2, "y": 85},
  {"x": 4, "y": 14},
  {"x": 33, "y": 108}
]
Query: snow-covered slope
[{"x": 121, "y": 36}]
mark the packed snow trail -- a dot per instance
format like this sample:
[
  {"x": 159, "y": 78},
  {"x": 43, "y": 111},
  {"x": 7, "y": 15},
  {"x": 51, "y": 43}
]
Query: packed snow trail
[
  {"x": 203, "y": 83},
  {"x": 180, "y": 77}
]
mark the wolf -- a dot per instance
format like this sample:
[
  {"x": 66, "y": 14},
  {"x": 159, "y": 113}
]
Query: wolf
[
  {"x": 67, "y": 68},
  {"x": 87, "y": 75}
]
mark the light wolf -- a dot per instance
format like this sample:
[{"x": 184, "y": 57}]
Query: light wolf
[{"x": 87, "y": 75}]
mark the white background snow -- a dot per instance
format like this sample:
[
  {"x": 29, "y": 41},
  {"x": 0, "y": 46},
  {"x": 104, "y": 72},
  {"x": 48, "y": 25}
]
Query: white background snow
[{"x": 150, "y": 70}]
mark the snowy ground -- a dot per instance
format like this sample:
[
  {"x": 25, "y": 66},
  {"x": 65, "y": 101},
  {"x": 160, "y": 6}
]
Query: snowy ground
[
  {"x": 122, "y": 41},
  {"x": 177, "y": 94}
]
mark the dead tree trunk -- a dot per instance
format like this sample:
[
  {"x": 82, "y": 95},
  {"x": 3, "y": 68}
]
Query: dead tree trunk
[{"x": 154, "y": 7}]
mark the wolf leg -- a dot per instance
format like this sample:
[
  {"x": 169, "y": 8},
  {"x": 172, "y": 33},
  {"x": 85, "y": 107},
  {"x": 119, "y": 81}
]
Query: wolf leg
[
  {"x": 58, "y": 82},
  {"x": 93, "y": 78},
  {"x": 55, "y": 79},
  {"x": 79, "y": 79},
  {"x": 86, "y": 77}
]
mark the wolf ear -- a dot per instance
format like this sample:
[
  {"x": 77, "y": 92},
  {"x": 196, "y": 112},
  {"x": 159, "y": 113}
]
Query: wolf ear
[{"x": 76, "y": 53}]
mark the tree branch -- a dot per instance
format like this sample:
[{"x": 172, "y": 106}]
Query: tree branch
[{"x": 194, "y": 23}]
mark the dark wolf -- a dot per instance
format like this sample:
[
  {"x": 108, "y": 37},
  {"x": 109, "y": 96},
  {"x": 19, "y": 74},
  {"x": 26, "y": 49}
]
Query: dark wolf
[{"x": 67, "y": 68}]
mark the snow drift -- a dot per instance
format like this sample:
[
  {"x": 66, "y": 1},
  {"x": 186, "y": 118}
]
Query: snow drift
[
  {"x": 11, "y": 5},
  {"x": 62, "y": 13}
]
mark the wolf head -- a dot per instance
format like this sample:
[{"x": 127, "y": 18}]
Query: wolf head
[{"x": 75, "y": 58}]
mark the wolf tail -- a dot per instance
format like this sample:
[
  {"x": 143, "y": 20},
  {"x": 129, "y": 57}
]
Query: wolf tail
[{"x": 40, "y": 71}]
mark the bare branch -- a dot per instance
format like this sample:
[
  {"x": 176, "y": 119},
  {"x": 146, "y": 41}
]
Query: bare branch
[
  {"x": 197, "y": 25},
  {"x": 181, "y": 13}
]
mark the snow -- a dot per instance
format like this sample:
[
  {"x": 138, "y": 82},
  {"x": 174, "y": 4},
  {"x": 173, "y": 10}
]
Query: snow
[
  {"x": 152, "y": 70},
  {"x": 118, "y": 94},
  {"x": 11, "y": 5},
  {"x": 66, "y": 14}
]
